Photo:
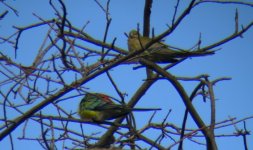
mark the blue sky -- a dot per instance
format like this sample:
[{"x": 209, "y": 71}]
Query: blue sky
[{"x": 213, "y": 21}]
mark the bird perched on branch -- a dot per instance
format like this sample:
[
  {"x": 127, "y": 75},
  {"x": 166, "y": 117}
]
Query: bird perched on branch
[
  {"x": 159, "y": 52},
  {"x": 99, "y": 107}
]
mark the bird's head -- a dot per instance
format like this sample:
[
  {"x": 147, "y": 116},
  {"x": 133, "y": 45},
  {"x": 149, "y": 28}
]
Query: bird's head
[
  {"x": 133, "y": 34},
  {"x": 88, "y": 101}
]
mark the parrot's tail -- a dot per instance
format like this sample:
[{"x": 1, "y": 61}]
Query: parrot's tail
[
  {"x": 197, "y": 53},
  {"x": 183, "y": 53},
  {"x": 145, "y": 109}
]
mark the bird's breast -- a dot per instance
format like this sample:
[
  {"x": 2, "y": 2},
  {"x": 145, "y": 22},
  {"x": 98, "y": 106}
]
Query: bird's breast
[{"x": 89, "y": 114}]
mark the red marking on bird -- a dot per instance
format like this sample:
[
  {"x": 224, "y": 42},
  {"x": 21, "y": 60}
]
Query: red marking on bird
[{"x": 106, "y": 98}]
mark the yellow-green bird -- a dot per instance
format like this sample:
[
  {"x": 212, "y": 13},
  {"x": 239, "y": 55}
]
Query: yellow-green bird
[
  {"x": 159, "y": 52},
  {"x": 99, "y": 107}
]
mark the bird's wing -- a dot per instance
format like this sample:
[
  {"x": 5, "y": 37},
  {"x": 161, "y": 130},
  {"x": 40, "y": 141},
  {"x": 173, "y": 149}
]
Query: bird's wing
[
  {"x": 101, "y": 102},
  {"x": 106, "y": 106}
]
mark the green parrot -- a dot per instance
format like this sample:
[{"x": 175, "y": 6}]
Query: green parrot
[
  {"x": 159, "y": 52},
  {"x": 99, "y": 107}
]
